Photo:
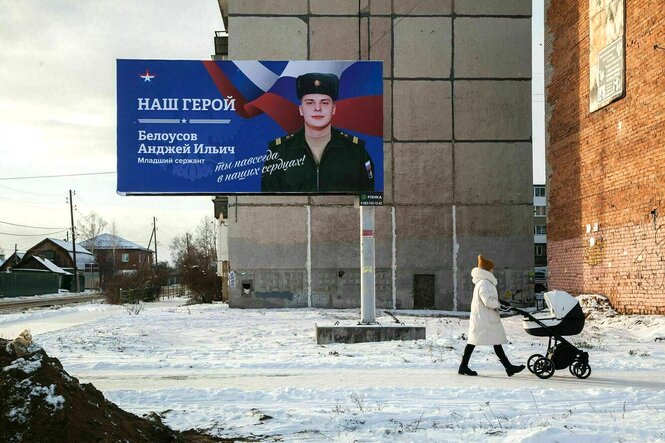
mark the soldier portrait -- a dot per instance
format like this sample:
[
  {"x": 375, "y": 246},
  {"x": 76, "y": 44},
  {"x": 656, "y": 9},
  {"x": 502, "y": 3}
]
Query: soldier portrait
[{"x": 317, "y": 158}]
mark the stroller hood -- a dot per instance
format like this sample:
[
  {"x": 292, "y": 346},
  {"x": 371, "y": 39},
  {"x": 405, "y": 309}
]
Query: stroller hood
[
  {"x": 565, "y": 316},
  {"x": 560, "y": 303}
]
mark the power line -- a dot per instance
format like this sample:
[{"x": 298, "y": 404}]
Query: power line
[
  {"x": 38, "y": 204},
  {"x": 57, "y": 176},
  {"x": 33, "y": 235},
  {"x": 32, "y": 227},
  {"x": 83, "y": 203},
  {"x": 28, "y": 192}
]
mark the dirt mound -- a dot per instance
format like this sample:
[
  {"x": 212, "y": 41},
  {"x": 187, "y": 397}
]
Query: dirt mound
[
  {"x": 596, "y": 306},
  {"x": 39, "y": 401}
]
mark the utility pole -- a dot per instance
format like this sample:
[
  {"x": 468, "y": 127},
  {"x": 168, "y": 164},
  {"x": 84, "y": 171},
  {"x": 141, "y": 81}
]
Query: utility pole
[
  {"x": 149, "y": 243},
  {"x": 154, "y": 231},
  {"x": 71, "y": 213}
]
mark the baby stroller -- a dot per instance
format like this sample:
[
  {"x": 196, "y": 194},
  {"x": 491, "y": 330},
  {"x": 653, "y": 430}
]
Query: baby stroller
[{"x": 565, "y": 317}]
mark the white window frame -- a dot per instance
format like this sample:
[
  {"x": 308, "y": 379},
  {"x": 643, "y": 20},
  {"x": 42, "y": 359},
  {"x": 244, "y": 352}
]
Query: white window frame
[{"x": 536, "y": 210}]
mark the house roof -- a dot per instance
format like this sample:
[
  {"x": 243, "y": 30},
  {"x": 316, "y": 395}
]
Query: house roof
[
  {"x": 11, "y": 258},
  {"x": 83, "y": 256},
  {"x": 67, "y": 246},
  {"x": 108, "y": 241},
  {"x": 48, "y": 264}
]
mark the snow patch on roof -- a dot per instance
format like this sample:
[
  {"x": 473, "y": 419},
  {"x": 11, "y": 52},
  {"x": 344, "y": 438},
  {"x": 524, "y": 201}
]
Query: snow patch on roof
[
  {"x": 108, "y": 241},
  {"x": 67, "y": 246},
  {"x": 83, "y": 256},
  {"x": 51, "y": 266}
]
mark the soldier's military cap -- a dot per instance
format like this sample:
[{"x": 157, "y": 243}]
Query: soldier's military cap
[{"x": 317, "y": 83}]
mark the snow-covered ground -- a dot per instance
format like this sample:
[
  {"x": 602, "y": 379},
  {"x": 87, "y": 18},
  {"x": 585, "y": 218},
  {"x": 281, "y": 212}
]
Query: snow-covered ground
[{"x": 260, "y": 373}]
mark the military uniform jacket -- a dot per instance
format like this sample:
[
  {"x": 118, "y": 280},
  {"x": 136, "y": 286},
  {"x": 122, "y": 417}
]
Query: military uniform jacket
[{"x": 345, "y": 165}]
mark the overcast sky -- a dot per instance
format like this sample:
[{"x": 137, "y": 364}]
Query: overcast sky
[{"x": 58, "y": 114}]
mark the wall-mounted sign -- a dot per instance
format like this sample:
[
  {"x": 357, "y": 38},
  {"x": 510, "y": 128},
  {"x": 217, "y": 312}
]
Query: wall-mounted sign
[
  {"x": 232, "y": 279},
  {"x": 607, "y": 64},
  {"x": 249, "y": 127},
  {"x": 370, "y": 199}
]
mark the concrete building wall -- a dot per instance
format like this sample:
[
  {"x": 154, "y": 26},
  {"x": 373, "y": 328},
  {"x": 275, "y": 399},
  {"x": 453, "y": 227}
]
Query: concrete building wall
[
  {"x": 457, "y": 146},
  {"x": 605, "y": 169}
]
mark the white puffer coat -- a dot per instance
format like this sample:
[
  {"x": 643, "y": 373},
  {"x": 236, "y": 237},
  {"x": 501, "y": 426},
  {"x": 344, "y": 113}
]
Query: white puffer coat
[{"x": 485, "y": 326}]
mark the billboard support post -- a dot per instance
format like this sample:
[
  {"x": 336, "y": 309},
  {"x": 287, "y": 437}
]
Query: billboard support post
[
  {"x": 368, "y": 329},
  {"x": 367, "y": 263}
]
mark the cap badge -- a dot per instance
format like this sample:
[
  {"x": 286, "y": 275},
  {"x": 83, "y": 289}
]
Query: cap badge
[{"x": 317, "y": 83}]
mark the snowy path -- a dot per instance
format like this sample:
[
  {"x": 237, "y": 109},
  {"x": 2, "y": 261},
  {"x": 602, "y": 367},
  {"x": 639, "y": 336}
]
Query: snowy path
[
  {"x": 53, "y": 319},
  {"x": 263, "y": 380}
]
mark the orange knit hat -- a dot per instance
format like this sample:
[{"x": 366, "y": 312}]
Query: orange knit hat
[{"x": 485, "y": 264}]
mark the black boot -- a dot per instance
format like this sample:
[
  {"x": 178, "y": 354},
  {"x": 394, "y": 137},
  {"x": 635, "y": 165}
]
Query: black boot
[
  {"x": 464, "y": 367},
  {"x": 510, "y": 368}
]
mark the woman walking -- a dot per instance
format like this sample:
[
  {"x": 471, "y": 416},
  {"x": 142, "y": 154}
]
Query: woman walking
[{"x": 485, "y": 326}]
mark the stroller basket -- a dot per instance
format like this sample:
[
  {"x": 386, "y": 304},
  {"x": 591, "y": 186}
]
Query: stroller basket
[{"x": 565, "y": 316}]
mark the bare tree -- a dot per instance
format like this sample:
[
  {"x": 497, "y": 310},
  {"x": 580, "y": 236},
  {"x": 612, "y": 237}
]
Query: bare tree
[
  {"x": 206, "y": 239},
  {"x": 89, "y": 227},
  {"x": 195, "y": 259}
]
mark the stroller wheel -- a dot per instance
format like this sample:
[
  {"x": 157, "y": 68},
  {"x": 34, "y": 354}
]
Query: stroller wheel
[
  {"x": 580, "y": 369},
  {"x": 530, "y": 362},
  {"x": 543, "y": 367}
]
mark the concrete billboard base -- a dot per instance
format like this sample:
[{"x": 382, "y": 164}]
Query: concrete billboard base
[{"x": 367, "y": 333}]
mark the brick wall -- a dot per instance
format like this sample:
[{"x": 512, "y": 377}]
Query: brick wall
[{"x": 607, "y": 168}]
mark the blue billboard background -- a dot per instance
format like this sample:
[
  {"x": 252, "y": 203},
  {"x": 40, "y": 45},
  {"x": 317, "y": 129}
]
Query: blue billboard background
[{"x": 203, "y": 127}]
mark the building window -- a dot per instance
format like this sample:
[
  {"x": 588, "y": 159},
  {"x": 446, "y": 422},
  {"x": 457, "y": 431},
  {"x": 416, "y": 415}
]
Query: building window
[
  {"x": 125, "y": 257},
  {"x": 539, "y": 210},
  {"x": 539, "y": 251},
  {"x": 540, "y": 229},
  {"x": 539, "y": 191}
]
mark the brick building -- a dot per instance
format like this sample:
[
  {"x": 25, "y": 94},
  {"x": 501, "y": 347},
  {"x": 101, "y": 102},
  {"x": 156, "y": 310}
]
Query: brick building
[
  {"x": 115, "y": 254},
  {"x": 539, "y": 226},
  {"x": 457, "y": 154},
  {"x": 605, "y": 155}
]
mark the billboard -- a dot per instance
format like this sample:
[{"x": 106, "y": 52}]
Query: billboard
[{"x": 249, "y": 127}]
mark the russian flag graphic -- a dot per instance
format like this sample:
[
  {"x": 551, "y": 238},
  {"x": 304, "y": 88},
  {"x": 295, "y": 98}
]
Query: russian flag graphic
[{"x": 266, "y": 87}]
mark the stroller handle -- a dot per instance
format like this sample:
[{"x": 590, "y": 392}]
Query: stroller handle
[{"x": 508, "y": 307}]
